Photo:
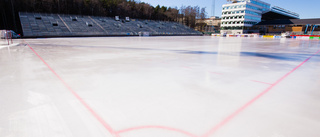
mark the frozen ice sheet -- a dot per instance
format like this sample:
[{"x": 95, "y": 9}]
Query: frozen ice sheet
[{"x": 160, "y": 87}]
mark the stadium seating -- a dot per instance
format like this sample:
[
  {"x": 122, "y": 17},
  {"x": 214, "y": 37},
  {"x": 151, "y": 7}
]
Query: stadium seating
[{"x": 58, "y": 25}]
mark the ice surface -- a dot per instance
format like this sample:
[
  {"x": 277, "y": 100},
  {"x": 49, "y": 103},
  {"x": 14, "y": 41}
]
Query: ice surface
[{"x": 160, "y": 87}]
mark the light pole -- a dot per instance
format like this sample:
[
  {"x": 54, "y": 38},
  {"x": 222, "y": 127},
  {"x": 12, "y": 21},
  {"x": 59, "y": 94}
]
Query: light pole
[
  {"x": 213, "y": 7},
  {"x": 14, "y": 17}
]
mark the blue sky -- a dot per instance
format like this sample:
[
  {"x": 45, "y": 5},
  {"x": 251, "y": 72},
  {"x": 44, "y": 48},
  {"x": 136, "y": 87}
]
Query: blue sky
[{"x": 306, "y": 8}]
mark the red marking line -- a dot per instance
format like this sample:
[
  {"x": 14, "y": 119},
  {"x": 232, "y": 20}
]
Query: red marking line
[
  {"x": 159, "y": 127},
  {"x": 261, "y": 82},
  {"x": 99, "y": 118},
  {"x": 210, "y": 132},
  {"x": 186, "y": 67},
  {"x": 234, "y": 114}
]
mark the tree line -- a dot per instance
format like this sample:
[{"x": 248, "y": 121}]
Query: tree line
[{"x": 134, "y": 9}]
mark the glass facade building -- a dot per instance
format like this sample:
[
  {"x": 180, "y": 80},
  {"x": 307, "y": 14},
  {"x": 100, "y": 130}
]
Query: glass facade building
[{"x": 242, "y": 14}]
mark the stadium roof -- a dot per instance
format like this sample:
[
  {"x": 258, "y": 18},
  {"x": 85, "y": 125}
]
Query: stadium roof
[
  {"x": 290, "y": 21},
  {"x": 271, "y": 15}
]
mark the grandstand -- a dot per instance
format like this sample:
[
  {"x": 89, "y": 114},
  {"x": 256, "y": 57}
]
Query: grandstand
[{"x": 55, "y": 25}]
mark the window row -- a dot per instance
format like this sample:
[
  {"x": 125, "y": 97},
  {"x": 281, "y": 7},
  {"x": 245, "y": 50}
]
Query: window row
[
  {"x": 232, "y": 12},
  {"x": 238, "y": 22},
  {"x": 253, "y": 18},
  {"x": 233, "y": 17},
  {"x": 260, "y": 4},
  {"x": 256, "y": 8},
  {"x": 252, "y": 12},
  {"x": 234, "y": 7},
  {"x": 240, "y": 11},
  {"x": 241, "y": 17},
  {"x": 245, "y": 6}
]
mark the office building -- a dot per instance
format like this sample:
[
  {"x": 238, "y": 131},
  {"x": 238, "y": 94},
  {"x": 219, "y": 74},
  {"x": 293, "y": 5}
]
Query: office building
[
  {"x": 211, "y": 24},
  {"x": 239, "y": 16}
]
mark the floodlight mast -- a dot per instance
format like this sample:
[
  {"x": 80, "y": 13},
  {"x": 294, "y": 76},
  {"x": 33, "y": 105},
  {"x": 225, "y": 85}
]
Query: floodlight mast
[{"x": 213, "y": 7}]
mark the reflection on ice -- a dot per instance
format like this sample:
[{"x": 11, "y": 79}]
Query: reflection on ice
[{"x": 229, "y": 52}]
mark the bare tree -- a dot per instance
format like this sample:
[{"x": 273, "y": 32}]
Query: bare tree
[
  {"x": 203, "y": 13},
  {"x": 190, "y": 14},
  {"x": 172, "y": 14}
]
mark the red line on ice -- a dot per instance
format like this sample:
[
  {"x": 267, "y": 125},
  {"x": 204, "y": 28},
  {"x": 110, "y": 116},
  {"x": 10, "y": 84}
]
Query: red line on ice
[
  {"x": 186, "y": 67},
  {"x": 230, "y": 117},
  {"x": 158, "y": 127},
  {"x": 99, "y": 118},
  {"x": 261, "y": 82},
  {"x": 210, "y": 132}
]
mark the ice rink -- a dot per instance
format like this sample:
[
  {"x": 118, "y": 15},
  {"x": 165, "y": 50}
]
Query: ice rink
[{"x": 160, "y": 87}]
